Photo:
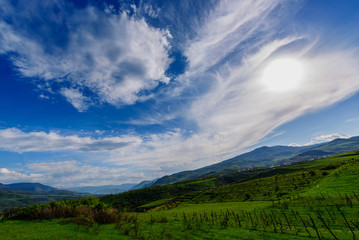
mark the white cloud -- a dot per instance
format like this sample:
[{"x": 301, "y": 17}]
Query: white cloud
[
  {"x": 115, "y": 56},
  {"x": 70, "y": 173},
  {"x": 151, "y": 11},
  {"x": 75, "y": 97},
  {"x": 15, "y": 140},
  {"x": 44, "y": 96},
  {"x": 66, "y": 173},
  {"x": 325, "y": 138},
  {"x": 230, "y": 23},
  {"x": 4, "y": 171},
  {"x": 238, "y": 111}
]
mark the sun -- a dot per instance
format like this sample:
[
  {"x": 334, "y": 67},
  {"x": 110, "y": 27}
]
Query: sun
[{"x": 283, "y": 75}]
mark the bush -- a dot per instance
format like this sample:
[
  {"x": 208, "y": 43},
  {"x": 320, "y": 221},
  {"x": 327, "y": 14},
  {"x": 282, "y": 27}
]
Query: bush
[{"x": 84, "y": 212}]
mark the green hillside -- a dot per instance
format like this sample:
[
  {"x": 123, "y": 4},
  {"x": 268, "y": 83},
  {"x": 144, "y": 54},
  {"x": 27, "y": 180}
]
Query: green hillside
[
  {"x": 265, "y": 157},
  {"x": 316, "y": 199},
  {"x": 25, "y": 194}
]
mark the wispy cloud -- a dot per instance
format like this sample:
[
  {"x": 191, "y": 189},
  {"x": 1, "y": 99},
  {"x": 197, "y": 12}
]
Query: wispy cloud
[
  {"x": 68, "y": 173},
  {"x": 15, "y": 140},
  {"x": 237, "y": 111},
  {"x": 113, "y": 55},
  {"x": 228, "y": 25},
  {"x": 76, "y": 98}
]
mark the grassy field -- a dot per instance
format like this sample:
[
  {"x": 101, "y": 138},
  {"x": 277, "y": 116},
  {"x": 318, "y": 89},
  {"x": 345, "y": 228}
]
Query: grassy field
[
  {"x": 56, "y": 230},
  {"x": 311, "y": 200}
]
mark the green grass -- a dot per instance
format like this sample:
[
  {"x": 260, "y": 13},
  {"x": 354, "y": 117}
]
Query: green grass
[
  {"x": 156, "y": 203},
  {"x": 188, "y": 208},
  {"x": 342, "y": 180},
  {"x": 180, "y": 230},
  {"x": 55, "y": 230}
]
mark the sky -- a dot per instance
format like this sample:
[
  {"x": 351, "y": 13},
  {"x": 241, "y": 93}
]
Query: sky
[{"x": 98, "y": 92}]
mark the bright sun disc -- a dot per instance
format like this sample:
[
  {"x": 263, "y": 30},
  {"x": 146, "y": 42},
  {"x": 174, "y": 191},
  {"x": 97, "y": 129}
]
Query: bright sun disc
[{"x": 283, "y": 75}]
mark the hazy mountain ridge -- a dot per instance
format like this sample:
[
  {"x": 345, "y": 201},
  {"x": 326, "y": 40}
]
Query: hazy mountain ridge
[
  {"x": 266, "y": 157},
  {"x": 104, "y": 189},
  {"x": 35, "y": 188},
  {"x": 112, "y": 189},
  {"x": 24, "y": 194}
]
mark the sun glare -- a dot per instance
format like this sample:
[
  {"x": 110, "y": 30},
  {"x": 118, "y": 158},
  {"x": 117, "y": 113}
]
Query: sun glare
[{"x": 283, "y": 75}]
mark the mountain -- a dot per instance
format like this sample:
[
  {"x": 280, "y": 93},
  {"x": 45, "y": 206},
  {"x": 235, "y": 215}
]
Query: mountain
[
  {"x": 263, "y": 156},
  {"x": 266, "y": 157},
  {"x": 35, "y": 187},
  {"x": 105, "y": 189},
  {"x": 112, "y": 189},
  {"x": 258, "y": 183},
  {"x": 24, "y": 194},
  {"x": 340, "y": 145},
  {"x": 144, "y": 184}
]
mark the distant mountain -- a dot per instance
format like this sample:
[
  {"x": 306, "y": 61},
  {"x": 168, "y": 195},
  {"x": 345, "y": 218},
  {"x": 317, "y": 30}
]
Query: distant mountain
[
  {"x": 264, "y": 157},
  {"x": 105, "y": 189},
  {"x": 144, "y": 184},
  {"x": 24, "y": 194},
  {"x": 112, "y": 189},
  {"x": 35, "y": 188},
  {"x": 340, "y": 145}
]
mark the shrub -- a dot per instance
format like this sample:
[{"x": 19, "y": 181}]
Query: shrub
[{"x": 91, "y": 208}]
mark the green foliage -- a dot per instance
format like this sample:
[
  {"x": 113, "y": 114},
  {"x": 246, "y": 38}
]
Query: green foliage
[
  {"x": 12, "y": 199},
  {"x": 91, "y": 208},
  {"x": 131, "y": 200}
]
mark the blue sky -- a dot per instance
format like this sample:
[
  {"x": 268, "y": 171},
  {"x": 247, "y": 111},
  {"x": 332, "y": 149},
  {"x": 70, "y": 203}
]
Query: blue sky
[{"x": 109, "y": 92}]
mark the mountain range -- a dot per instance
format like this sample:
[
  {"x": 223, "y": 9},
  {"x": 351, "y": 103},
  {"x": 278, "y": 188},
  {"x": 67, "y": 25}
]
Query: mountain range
[
  {"x": 262, "y": 157},
  {"x": 112, "y": 189},
  {"x": 24, "y": 194},
  {"x": 266, "y": 157},
  {"x": 33, "y": 187}
]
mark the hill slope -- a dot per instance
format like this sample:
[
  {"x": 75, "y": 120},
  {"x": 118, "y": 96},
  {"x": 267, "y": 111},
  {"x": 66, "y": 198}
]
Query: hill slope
[
  {"x": 104, "y": 189},
  {"x": 24, "y": 194},
  {"x": 265, "y": 157}
]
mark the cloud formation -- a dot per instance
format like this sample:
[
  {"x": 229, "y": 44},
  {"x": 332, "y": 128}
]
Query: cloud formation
[
  {"x": 237, "y": 111},
  {"x": 228, "y": 25},
  {"x": 110, "y": 56},
  {"x": 104, "y": 56},
  {"x": 15, "y": 140},
  {"x": 325, "y": 138},
  {"x": 6, "y": 171},
  {"x": 76, "y": 98},
  {"x": 66, "y": 173}
]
